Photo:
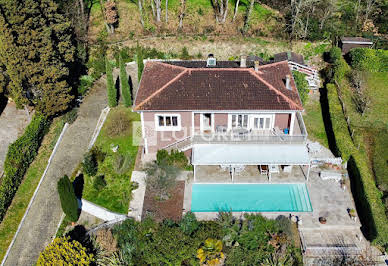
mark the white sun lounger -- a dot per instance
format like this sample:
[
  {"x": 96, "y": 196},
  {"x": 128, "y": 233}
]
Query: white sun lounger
[{"x": 327, "y": 175}]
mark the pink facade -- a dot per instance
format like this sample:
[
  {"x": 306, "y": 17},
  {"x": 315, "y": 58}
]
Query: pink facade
[
  {"x": 159, "y": 139},
  {"x": 282, "y": 121}
]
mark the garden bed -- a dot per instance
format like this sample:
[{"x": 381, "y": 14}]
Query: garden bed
[
  {"x": 115, "y": 192},
  {"x": 160, "y": 210}
]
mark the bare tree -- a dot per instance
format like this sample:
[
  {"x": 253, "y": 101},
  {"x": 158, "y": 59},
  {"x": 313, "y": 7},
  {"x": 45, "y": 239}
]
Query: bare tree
[
  {"x": 140, "y": 5},
  {"x": 370, "y": 4},
  {"x": 248, "y": 17},
  {"x": 221, "y": 10},
  {"x": 359, "y": 97},
  {"x": 182, "y": 13},
  {"x": 156, "y": 6},
  {"x": 166, "y": 10},
  {"x": 236, "y": 10},
  {"x": 328, "y": 8}
]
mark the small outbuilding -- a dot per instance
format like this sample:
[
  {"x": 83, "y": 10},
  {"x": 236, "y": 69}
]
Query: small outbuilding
[{"x": 347, "y": 43}]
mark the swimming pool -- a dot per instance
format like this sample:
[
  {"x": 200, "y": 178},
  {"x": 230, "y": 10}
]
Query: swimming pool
[{"x": 250, "y": 198}]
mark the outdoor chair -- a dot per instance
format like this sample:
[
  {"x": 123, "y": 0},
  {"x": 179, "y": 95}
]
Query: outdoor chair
[{"x": 263, "y": 169}]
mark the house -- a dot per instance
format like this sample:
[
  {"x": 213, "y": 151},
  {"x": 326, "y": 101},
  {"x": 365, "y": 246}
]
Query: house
[
  {"x": 347, "y": 43},
  {"x": 227, "y": 114}
]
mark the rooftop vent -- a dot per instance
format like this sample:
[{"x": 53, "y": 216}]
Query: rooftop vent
[
  {"x": 211, "y": 61},
  {"x": 243, "y": 61}
]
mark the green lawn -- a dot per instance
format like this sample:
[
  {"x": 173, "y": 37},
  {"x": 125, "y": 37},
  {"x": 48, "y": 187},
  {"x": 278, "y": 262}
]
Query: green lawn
[
  {"x": 116, "y": 195},
  {"x": 23, "y": 196},
  {"x": 314, "y": 122}
]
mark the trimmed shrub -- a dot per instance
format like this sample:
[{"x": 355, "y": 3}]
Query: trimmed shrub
[
  {"x": 335, "y": 54},
  {"x": 98, "y": 154},
  {"x": 162, "y": 156},
  {"x": 86, "y": 83},
  {"x": 99, "y": 182},
  {"x": 367, "y": 59},
  {"x": 189, "y": 223},
  {"x": 68, "y": 198},
  {"x": 63, "y": 251},
  {"x": 367, "y": 196},
  {"x": 125, "y": 89},
  {"x": 20, "y": 155},
  {"x": 110, "y": 86},
  {"x": 89, "y": 164},
  {"x": 302, "y": 85}
]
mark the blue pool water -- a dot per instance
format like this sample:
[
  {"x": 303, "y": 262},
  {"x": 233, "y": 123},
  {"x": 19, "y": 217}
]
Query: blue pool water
[{"x": 250, "y": 198}]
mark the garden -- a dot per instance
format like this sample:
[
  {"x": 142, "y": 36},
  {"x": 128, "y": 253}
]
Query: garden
[
  {"x": 108, "y": 166},
  {"x": 251, "y": 240}
]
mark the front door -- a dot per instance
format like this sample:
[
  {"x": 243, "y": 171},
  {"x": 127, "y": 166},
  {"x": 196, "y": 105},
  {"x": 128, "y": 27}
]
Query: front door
[{"x": 207, "y": 122}]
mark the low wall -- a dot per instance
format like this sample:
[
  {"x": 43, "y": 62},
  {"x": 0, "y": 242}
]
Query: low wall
[{"x": 101, "y": 212}]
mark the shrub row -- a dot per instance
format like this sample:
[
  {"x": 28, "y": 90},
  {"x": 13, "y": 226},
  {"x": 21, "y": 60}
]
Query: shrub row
[
  {"x": 373, "y": 60},
  {"x": 339, "y": 66},
  {"x": 367, "y": 196},
  {"x": 20, "y": 155}
]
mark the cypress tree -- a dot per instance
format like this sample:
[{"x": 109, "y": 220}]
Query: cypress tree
[
  {"x": 125, "y": 89},
  {"x": 110, "y": 86},
  {"x": 140, "y": 63},
  {"x": 36, "y": 53},
  {"x": 68, "y": 199}
]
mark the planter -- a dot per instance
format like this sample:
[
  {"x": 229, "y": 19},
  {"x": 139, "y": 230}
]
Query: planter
[{"x": 322, "y": 220}]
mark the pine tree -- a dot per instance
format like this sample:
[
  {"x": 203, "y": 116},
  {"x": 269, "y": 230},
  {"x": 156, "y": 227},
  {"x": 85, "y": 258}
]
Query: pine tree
[
  {"x": 140, "y": 63},
  {"x": 68, "y": 199},
  {"x": 110, "y": 86},
  {"x": 125, "y": 89},
  {"x": 37, "y": 52}
]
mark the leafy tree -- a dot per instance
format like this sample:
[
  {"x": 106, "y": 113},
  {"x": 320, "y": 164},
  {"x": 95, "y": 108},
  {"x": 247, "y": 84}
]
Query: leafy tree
[
  {"x": 125, "y": 89},
  {"x": 63, "y": 251},
  {"x": 110, "y": 86},
  {"x": 37, "y": 54},
  {"x": 161, "y": 177},
  {"x": 302, "y": 85},
  {"x": 68, "y": 198}
]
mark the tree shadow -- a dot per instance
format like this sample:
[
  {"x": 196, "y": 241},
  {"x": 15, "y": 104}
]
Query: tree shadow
[
  {"x": 325, "y": 110},
  {"x": 79, "y": 234},
  {"x": 131, "y": 89},
  {"x": 3, "y": 103},
  {"x": 368, "y": 226},
  {"x": 117, "y": 86},
  {"x": 78, "y": 185}
]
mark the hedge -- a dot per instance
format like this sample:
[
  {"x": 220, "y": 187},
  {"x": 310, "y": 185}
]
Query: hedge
[
  {"x": 20, "y": 155},
  {"x": 110, "y": 86},
  {"x": 366, "y": 194},
  {"x": 367, "y": 59},
  {"x": 302, "y": 85}
]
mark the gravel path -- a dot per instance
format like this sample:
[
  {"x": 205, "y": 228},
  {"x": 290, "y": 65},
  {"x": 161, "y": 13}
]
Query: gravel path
[
  {"x": 41, "y": 222},
  {"x": 12, "y": 124}
]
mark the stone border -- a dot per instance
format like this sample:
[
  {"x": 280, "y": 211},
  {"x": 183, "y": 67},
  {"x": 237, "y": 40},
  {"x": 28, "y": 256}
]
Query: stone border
[
  {"x": 136, "y": 204},
  {"x": 35, "y": 192},
  {"x": 100, "y": 123}
]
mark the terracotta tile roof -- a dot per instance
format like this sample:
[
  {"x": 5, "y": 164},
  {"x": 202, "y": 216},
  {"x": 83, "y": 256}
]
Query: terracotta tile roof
[
  {"x": 289, "y": 56},
  {"x": 355, "y": 39},
  {"x": 170, "y": 87}
]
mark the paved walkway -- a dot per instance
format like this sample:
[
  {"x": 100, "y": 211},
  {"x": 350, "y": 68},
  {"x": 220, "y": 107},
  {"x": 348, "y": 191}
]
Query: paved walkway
[
  {"x": 12, "y": 124},
  {"x": 45, "y": 213}
]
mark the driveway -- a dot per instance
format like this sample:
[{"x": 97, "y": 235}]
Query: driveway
[
  {"x": 42, "y": 220},
  {"x": 12, "y": 124}
]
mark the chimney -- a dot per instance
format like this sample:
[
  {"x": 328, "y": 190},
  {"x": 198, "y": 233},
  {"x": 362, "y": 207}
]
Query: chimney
[
  {"x": 288, "y": 85},
  {"x": 243, "y": 61},
  {"x": 257, "y": 63},
  {"x": 211, "y": 61}
]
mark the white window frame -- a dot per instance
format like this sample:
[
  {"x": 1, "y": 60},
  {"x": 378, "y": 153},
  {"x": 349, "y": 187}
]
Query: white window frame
[
  {"x": 201, "y": 125},
  {"x": 178, "y": 127},
  {"x": 230, "y": 120},
  {"x": 271, "y": 121}
]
